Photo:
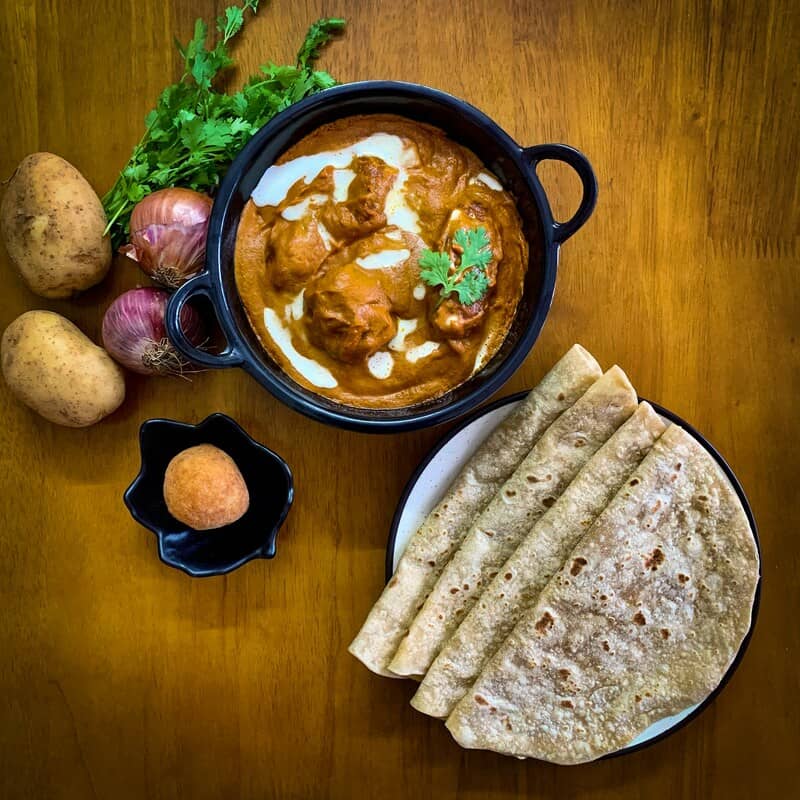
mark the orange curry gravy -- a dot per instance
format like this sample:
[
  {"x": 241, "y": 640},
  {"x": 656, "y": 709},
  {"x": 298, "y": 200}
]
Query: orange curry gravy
[{"x": 327, "y": 257}]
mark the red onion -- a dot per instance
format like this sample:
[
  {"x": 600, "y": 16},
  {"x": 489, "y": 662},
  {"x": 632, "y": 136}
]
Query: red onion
[
  {"x": 134, "y": 332},
  {"x": 168, "y": 235}
]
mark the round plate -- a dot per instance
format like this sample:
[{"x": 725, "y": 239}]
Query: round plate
[{"x": 440, "y": 467}]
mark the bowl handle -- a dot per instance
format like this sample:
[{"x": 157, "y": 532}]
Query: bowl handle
[
  {"x": 197, "y": 286},
  {"x": 578, "y": 161}
]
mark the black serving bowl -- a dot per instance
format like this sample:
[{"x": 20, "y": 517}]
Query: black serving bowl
[
  {"x": 515, "y": 167},
  {"x": 215, "y": 552}
]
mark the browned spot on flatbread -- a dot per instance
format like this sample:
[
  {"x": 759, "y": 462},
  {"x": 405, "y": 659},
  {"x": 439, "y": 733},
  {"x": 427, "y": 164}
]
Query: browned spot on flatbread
[
  {"x": 544, "y": 623},
  {"x": 664, "y": 633},
  {"x": 654, "y": 560},
  {"x": 481, "y": 700},
  {"x": 606, "y": 646},
  {"x": 639, "y": 619},
  {"x": 700, "y": 501},
  {"x": 548, "y": 502},
  {"x": 577, "y": 565},
  {"x": 567, "y": 704},
  {"x": 682, "y": 578}
]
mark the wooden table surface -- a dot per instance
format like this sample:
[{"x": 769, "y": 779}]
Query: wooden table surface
[{"x": 121, "y": 678}]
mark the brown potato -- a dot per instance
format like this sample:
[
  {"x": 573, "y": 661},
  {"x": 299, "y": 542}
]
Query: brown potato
[
  {"x": 204, "y": 489},
  {"x": 61, "y": 374},
  {"x": 52, "y": 223}
]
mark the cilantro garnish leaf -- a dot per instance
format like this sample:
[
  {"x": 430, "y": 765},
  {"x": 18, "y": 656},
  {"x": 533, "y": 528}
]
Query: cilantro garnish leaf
[
  {"x": 230, "y": 24},
  {"x": 476, "y": 251},
  {"x": 196, "y": 130},
  {"x": 468, "y": 278},
  {"x": 318, "y": 35},
  {"x": 435, "y": 268}
]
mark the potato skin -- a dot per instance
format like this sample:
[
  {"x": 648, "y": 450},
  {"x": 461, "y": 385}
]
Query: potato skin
[
  {"x": 204, "y": 489},
  {"x": 52, "y": 223},
  {"x": 51, "y": 366}
]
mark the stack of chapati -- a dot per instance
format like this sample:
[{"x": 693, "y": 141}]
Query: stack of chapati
[{"x": 590, "y": 571}]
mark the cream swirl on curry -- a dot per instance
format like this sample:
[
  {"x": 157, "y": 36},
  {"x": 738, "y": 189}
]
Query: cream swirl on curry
[{"x": 328, "y": 256}]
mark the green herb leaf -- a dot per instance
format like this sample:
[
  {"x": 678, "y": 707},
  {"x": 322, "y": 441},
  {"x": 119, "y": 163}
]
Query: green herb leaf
[
  {"x": 231, "y": 23},
  {"x": 467, "y": 279},
  {"x": 195, "y": 131},
  {"x": 435, "y": 268},
  {"x": 318, "y": 35},
  {"x": 474, "y": 244},
  {"x": 473, "y": 287}
]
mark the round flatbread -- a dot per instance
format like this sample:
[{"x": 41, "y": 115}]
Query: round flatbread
[
  {"x": 542, "y": 552},
  {"x": 644, "y": 619},
  {"x": 533, "y": 488},
  {"x": 443, "y": 530}
]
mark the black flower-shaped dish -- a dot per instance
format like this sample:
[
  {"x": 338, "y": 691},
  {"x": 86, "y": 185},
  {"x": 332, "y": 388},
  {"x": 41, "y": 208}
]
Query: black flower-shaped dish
[{"x": 214, "y": 552}]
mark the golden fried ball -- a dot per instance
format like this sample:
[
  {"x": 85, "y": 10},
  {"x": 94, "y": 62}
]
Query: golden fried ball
[{"x": 204, "y": 489}]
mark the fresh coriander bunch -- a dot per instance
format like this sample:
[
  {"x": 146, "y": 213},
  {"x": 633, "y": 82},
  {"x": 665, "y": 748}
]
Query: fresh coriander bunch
[{"x": 195, "y": 131}]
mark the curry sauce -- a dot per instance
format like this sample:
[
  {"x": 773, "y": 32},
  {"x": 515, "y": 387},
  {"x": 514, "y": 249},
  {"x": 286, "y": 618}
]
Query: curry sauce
[{"x": 327, "y": 261}]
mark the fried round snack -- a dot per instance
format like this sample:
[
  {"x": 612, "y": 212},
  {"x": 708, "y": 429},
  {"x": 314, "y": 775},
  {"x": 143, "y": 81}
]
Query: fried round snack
[{"x": 204, "y": 489}]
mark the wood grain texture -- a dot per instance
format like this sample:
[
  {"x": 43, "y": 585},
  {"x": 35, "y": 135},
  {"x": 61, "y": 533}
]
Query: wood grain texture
[{"x": 121, "y": 678}]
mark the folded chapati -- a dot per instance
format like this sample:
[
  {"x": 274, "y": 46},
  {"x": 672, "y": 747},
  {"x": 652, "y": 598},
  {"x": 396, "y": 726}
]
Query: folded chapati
[
  {"x": 533, "y": 488},
  {"x": 539, "y": 556},
  {"x": 643, "y": 620},
  {"x": 440, "y": 534}
]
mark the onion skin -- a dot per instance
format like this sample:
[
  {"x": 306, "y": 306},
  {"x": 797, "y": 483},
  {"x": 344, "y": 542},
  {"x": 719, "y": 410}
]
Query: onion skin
[
  {"x": 135, "y": 335},
  {"x": 168, "y": 235}
]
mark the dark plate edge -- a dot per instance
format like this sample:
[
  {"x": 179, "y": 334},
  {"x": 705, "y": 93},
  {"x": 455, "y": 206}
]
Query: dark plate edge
[{"x": 729, "y": 473}]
